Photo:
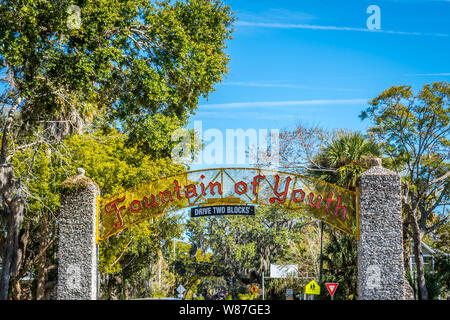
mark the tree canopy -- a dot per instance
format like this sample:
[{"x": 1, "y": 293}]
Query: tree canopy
[
  {"x": 414, "y": 128},
  {"x": 131, "y": 72}
]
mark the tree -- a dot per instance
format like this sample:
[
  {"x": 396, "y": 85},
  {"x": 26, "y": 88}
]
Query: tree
[
  {"x": 41, "y": 173},
  {"x": 340, "y": 265},
  {"x": 346, "y": 157},
  {"x": 414, "y": 130},
  {"x": 299, "y": 148},
  {"x": 116, "y": 167},
  {"x": 441, "y": 238},
  {"x": 124, "y": 63},
  {"x": 193, "y": 268},
  {"x": 337, "y": 157},
  {"x": 243, "y": 247}
]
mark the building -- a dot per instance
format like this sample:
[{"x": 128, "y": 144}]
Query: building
[{"x": 428, "y": 258}]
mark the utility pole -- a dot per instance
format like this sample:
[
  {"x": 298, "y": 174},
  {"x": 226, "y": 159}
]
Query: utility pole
[
  {"x": 263, "y": 285},
  {"x": 320, "y": 257}
]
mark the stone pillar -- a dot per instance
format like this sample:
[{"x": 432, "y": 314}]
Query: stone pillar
[
  {"x": 77, "y": 252},
  {"x": 381, "y": 272}
]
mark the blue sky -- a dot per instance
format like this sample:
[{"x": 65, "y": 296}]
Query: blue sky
[{"x": 317, "y": 63}]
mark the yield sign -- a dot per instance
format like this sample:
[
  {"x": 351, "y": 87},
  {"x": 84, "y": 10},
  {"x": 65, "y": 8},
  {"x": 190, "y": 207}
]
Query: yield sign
[{"x": 332, "y": 287}]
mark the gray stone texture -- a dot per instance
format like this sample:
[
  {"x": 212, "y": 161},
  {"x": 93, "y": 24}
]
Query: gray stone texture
[
  {"x": 380, "y": 248},
  {"x": 77, "y": 251}
]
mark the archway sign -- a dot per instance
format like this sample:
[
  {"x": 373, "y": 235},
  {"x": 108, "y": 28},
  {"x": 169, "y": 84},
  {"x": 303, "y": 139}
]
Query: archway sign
[
  {"x": 373, "y": 215},
  {"x": 230, "y": 186}
]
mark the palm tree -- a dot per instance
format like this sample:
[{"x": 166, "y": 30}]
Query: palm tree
[
  {"x": 340, "y": 265},
  {"x": 348, "y": 155}
]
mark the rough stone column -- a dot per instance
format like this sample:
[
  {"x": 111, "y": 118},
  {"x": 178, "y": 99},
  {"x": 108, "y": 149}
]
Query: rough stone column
[
  {"x": 77, "y": 252},
  {"x": 380, "y": 251}
]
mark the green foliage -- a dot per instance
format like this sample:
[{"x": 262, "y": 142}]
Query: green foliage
[
  {"x": 243, "y": 247},
  {"x": 245, "y": 296},
  {"x": 441, "y": 238},
  {"x": 340, "y": 265},
  {"x": 74, "y": 183},
  {"x": 114, "y": 165},
  {"x": 414, "y": 131},
  {"x": 438, "y": 282},
  {"x": 348, "y": 155},
  {"x": 135, "y": 69},
  {"x": 126, "y": 60},
  {"x": 108, "y": 161},
  {"x": 129, "y": 260},
  {"x": 195, "y": 270}
]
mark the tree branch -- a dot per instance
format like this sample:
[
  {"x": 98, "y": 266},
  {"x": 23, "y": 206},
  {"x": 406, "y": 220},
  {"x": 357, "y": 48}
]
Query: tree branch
[{"x": 436, "y": 225}]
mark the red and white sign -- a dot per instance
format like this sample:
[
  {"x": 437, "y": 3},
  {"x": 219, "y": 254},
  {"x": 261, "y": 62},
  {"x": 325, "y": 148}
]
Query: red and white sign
[{"x": 332, "y": 287}]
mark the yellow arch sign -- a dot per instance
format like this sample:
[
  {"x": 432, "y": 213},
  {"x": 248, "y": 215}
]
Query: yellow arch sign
[{"x": 224, "y": 186}]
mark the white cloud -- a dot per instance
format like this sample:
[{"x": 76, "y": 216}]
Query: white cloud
[
  {"x": 276, "y": 14},
  {"x": 445, "y": 74},
  {"x": 318, "y": 27},
  {"x": 262, "y": 104},
  {"x": 281, "y": 85}
]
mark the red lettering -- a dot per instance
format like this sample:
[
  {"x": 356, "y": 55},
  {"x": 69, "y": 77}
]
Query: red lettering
[
  {"x": 318, "y": 201},
  {"x": 190, "y": 191},
  {"x": 212, "y": 185},
  {"x": 280, "y": 194},
  {"x": 243, "y": 185},
  {"x": 177, "y": 189},
  {"x": 163, "y": 195},
  {"x": 153, "y": 202},
  {"x": 113, "y": 206},
  {"x": 132, "y": 206},
  {"x": 256, "y": 181},
  {"x": 294, "y": 193},
  {"x": 340, "y": 207}
]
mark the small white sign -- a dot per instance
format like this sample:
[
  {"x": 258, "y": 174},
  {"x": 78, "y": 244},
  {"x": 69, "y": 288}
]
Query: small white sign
[
  {"x": 283, "y": 271},
  {"x": 180, "y": 289},
  {"x": 289, "y": 294}
]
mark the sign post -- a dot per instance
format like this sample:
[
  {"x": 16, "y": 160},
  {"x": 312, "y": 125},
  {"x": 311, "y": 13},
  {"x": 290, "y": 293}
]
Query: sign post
[
  {"x": 312, "y": 288},
  {"x": 332, "y": 288},
  {"x": 263, "y": 285}
]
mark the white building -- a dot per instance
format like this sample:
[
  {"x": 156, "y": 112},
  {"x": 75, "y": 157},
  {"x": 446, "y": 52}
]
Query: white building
[{"x": 428, "y": 258}]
